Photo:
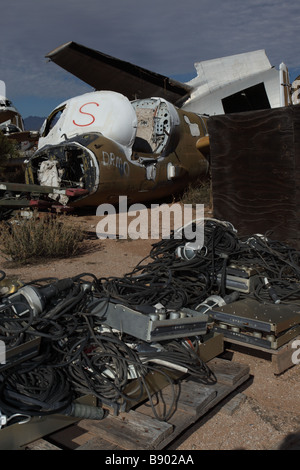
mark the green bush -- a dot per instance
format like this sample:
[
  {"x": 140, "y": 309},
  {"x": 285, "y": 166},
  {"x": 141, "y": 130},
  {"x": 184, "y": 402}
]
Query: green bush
[{"x": 49, "y": 236}]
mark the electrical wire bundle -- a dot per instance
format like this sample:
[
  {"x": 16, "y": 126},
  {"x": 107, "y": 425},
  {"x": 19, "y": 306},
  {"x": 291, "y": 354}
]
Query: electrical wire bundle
[
  {"x": 109, "y": 363},
  {"x": 13, "y": 329},
  {"x": 177, "y": 282},
  {"x": 34, "y": 390},
  {"x": 277, "y": 266},
  {"x": 170, "y": 280},
  {"x": 182, "y": 356},
  {"x": 78, "y": 355},
  {"x": 36, "y": 387}
]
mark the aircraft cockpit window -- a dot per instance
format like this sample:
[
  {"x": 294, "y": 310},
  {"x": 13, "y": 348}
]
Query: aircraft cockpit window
[
  {"x": 5, "y": 103},
  {"x": 154, "y": 125},
  {"x": 52, "y": 120}
]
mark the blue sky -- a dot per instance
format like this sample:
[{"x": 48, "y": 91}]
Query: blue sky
[{"x": 165, "y": 36}]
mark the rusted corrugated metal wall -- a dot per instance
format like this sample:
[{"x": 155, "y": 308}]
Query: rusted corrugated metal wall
[{"x": 255, "y": 171}]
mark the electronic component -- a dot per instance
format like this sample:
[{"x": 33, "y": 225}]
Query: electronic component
[
  {"x": 35, "y": 298},
  {"x": 9, "y": 286},
  {"x": 261, "y": 324},
  {"x": 21, "y": 353},
  {"x": 239, "y": 278},
  {"x": 25, "y": 304},
  {"x": 155, "y": 325}
]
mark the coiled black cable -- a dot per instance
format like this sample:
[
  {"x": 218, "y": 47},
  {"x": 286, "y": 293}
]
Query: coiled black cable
[
  {"x": 34, "y": 389},
  {"x": 78, "y": 357},
  {"x": 166, "y": 278},
  {"x": 170, "y": 280}
]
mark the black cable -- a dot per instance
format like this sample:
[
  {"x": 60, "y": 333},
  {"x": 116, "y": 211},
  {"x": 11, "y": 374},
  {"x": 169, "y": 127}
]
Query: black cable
[
  {"x": 167, "y": 278},
  {"x": 78, "y": 354},
  {"x": 35, "y": 389},
  {"x": 176, "y": 354}
]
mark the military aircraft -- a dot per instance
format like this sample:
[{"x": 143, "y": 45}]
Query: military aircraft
[
  {"x": 141, "y": 134},
  {"x": 11, "y": 123},
  {"x": 108, "y": 146},
  {"x": 8, "y": 113}
]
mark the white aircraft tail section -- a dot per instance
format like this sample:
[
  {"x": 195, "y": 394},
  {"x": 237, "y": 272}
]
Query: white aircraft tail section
[
  {"x": 238, "y": 83},
  {"x": 225, "y": 70}
]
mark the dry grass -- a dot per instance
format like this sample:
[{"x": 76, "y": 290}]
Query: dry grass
[
  {"x": 197, "y": 193},
  {"x": 48, "y": 236}
]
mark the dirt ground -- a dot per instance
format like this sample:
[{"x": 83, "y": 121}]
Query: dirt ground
[{"x": 268, "y": 416}]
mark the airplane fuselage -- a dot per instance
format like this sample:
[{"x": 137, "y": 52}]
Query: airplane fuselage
[{"x": 105, "y": 144}]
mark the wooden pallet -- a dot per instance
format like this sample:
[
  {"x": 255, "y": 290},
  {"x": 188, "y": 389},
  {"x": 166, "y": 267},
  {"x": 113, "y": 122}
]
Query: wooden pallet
[
  {"x": 138, "y": 429},
  {"x": 280, "y": 358}
]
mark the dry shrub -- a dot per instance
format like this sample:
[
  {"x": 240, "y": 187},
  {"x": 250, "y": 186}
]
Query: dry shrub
[
  {"x": 197, "y": 193},
  {"x": 49, "y": 236}
]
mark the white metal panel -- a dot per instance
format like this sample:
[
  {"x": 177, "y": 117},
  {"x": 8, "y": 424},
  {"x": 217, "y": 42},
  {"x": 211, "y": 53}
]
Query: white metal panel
[
  {"x": 220, "y": 78},
  {"x": 225, "y": 70},
  {"x": 106, "y": 112}
]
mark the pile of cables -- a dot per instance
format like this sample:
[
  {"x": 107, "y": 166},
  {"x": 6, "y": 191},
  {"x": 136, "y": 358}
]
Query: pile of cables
[
  {"x": 164, "y": 277},
  {"x": 36, "y": 387},
  {"x": 175, "y": 282},
  {"x": 277, "y": 266},
  {"x": 78, "y": 354}
]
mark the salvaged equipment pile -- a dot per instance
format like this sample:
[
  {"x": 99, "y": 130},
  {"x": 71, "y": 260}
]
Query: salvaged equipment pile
[{"x": 82, "y": 336}]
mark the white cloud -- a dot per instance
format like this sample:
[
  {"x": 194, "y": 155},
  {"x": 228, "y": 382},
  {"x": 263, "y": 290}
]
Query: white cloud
[{"x": 166, "y": 36}]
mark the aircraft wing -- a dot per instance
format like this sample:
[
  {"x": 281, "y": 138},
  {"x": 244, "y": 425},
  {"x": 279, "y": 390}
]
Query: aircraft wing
[{"x": 104, "y": 72}]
